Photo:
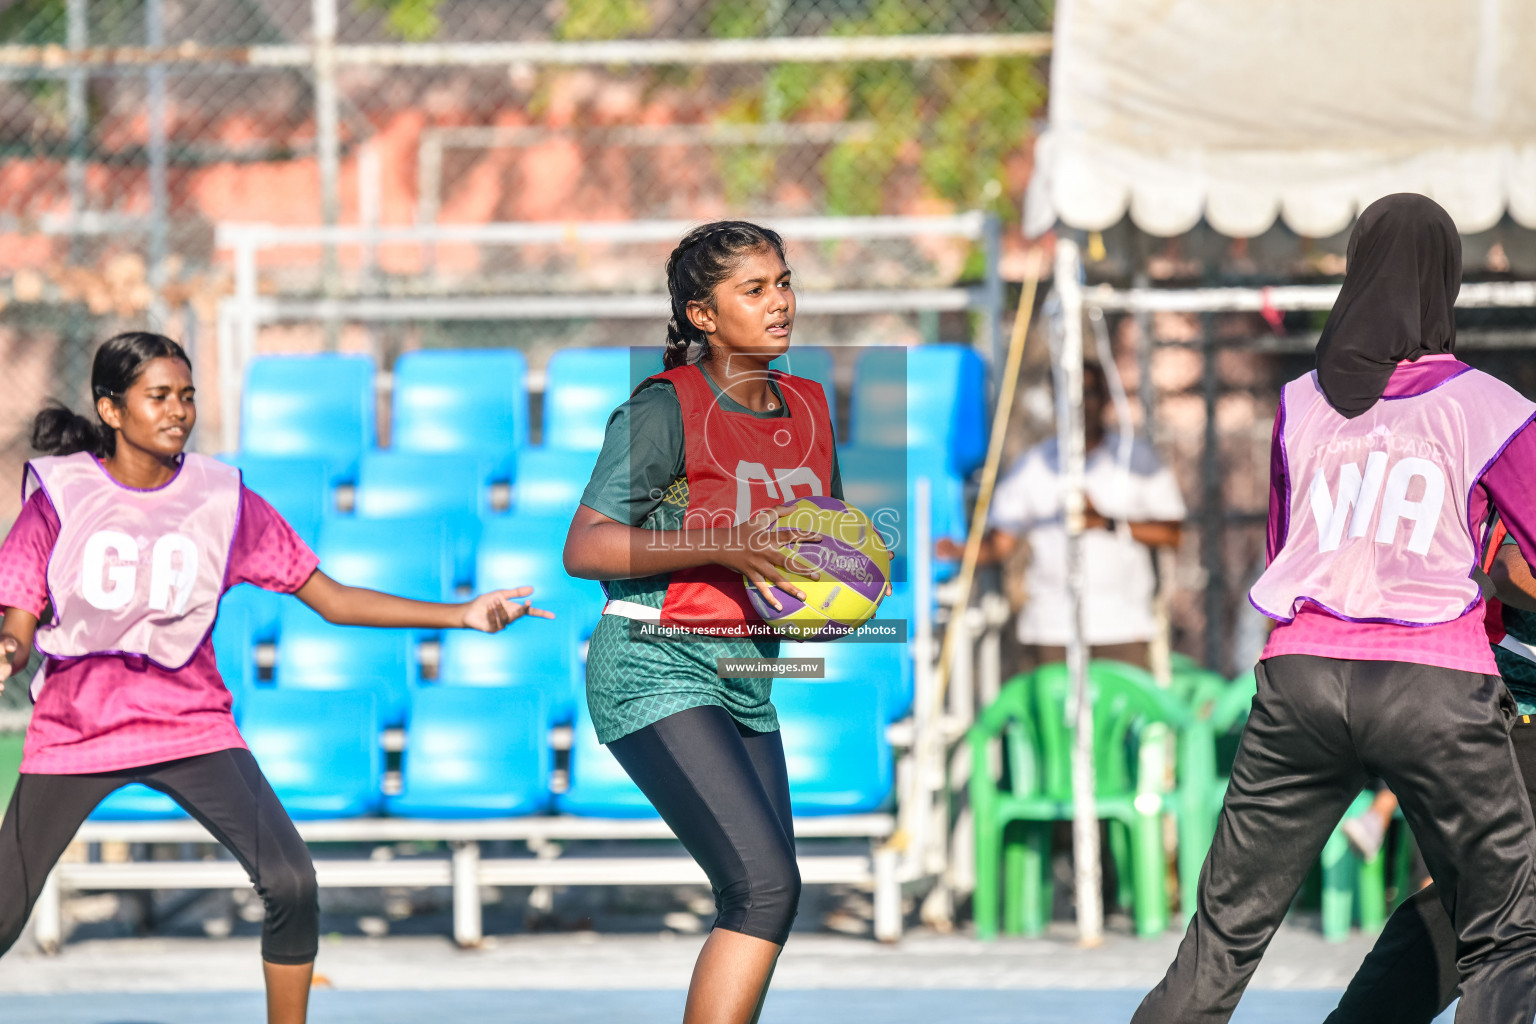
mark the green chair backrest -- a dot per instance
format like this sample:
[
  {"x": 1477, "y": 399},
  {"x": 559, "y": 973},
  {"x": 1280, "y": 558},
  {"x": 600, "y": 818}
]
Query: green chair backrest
[
  {"x": 1125, "y": 700},
  {"x": 1011, "y": 717},
  {"x": 1234, "y": 703}
]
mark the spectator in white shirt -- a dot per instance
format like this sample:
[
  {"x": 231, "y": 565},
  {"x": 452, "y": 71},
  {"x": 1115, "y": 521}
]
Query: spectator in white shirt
[{"x": 1133, "y": 505}]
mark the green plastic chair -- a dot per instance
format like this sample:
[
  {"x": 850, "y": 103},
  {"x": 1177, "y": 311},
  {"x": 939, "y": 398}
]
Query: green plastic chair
[
  {"x": 1346, "y": 877},
  {"x": 1219, "y": 710},
  {"x": 1013, "y": 823}
]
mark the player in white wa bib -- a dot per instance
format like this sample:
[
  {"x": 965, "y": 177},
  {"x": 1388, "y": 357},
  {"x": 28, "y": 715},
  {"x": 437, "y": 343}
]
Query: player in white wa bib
[
  {"x": 115, "y": 567},
  {"x": 1385, "y": 462}
]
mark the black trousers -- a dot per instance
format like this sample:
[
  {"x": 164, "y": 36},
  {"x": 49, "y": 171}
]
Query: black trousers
[
  {"x": 724, "y": 790},
  {"x": 1319, "y": 728},
  {"x": 224, "y": 790},
  {"x": 1410, "y": 976}
]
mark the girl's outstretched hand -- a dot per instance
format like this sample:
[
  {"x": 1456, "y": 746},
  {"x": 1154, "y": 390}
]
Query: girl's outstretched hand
[{"x": 495, "y": 611}]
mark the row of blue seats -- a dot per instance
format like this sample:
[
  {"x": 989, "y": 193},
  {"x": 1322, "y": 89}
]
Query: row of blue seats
[
  {"x": 542, "y": 655},
  {"x": 484, "y": 753},
  {"x": 476, "y": 401},
  {"x": 455, "y": 488}
]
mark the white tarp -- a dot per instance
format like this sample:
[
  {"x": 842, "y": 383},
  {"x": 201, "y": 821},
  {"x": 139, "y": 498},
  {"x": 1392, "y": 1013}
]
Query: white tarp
[{"x": 1245, "y": 110}]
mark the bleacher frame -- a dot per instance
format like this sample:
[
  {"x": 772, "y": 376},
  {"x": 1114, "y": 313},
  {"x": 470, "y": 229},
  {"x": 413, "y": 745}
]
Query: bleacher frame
[
  {"x": 465, "y": 870},
  {"x": 907, "y": 847},
  {"x": 242, "y": 314}
]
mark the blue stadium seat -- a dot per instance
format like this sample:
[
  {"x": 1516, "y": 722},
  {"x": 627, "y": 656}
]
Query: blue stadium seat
[
  {"x": 312, "y": 654},
  {"x": 137, "y": 802},
  {"x": 312, "y": 405},
  {"x": 400, "y": 485},
  {"x": 582, "y": 386},
  {"x": 320, "y": 751},
  {"x": 550, "y": 481},
  {"x": 467, "y": 400},
  {"x": 535, "y": 653},
  {"x": 887, "y": 665},
  {"x": 929, "y": 396},
  {"x": 518, "y": 550},
  {"x": 234, "y": 651},
  {"x": 834, "y": 745},
  {"x": 814, "y": 362},
  {"x": 882, "y": 482},
  {"x": 408, "y": 557},
  {"x": 898, "y": 607},
  {"x": 447, "y": 486},
  {"x": 474, "y": 753},
  {"x": 298, "y": 487},
  {"x": 599, "y": 786},
  {"x": 261, "y": 608}
]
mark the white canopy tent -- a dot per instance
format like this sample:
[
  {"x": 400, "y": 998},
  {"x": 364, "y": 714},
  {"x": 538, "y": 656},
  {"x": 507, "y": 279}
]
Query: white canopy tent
[
  {"x": 1242, "y": 114},
  {"x": 1304, "y": 110}
]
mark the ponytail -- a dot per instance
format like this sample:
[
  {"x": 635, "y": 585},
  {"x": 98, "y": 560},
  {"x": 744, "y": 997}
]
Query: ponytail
[
  {"x": 702, "y": 260},
  {"x": 119, "y": 362},
  {"x": 60, "y": 431}
]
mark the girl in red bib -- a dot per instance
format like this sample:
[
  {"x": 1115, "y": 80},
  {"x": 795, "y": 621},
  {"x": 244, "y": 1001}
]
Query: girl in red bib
[
  {"x": 114, "y": 569},
  {"x": 680, "y": 507}
]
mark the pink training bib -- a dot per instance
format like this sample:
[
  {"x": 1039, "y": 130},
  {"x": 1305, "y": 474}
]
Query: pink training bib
[
  {"x": 135, "y": 572},
  {"x": 1379, "y": 526}
]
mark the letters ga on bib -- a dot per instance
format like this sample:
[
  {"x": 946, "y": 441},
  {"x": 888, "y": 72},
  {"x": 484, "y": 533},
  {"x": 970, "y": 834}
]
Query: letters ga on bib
[{"x": 135, "y": 572}]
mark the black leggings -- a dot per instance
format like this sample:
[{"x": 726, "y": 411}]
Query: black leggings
[
  {"x": 722, "y": 788},
  {"x": 1320, "y": 727},
  {"x": 1410, "y": 975},
  {"x": 223, "y": 790}
]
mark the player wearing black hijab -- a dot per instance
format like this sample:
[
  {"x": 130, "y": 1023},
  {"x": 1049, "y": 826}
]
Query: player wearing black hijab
[{"x": 1379, "y": 664}]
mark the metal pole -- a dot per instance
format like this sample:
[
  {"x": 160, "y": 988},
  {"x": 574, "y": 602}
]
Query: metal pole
[
  {"x": 154, "y": 36},
  {"x": 1072, "y": 445},
  {"x": 992, "y": 242},
  {"x": 370, "y": 174},
  {"x": 327, "y": 145},
  {"x": 76, "y": 113},
  {"x": 927, "y": 720},
  {"x": 1145, "y": 389},
  {"x": 1212, "y": 526}
]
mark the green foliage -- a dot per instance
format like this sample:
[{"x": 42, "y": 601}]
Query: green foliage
[
  {"x": 950, "y": 126},
  {"x": 34, "y": 23},
  {"x": 411, "y": 20},
  {"x": 604, "y": 19}
]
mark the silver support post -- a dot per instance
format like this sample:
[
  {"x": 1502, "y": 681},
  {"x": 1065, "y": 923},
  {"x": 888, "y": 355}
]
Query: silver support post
[
  {"x": 887, "y": 894},
  {"x": 467, "y": 930},
  {"x": 154, "y": 36},
  {"x": 237, "y": 339},
  {"x": 327, "y": 144},
  {"x": 992, "y": 242},
  {"x": 913, "y": 813},
  {"x": 370, "y": 187},
  {"x": 1146, "y": 390},
  {"x": 77, "y": 115},
  {"x": 1070, "y": 439},
  {"x": 48, "y": 915},
  {"x": 1212, "y": 519}
]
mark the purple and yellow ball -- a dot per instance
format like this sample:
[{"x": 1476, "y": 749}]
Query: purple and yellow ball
[{"x": 854, "y": 563}]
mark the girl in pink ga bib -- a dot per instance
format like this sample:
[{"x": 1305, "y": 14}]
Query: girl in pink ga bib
[{"x": 114, "y": 569}]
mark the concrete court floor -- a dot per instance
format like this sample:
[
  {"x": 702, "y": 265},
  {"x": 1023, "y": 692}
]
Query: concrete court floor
[{"x": 585, "y": 977}]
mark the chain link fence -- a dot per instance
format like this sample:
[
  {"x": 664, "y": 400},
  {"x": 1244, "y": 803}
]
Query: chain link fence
[{"x": 130, "y": 128}]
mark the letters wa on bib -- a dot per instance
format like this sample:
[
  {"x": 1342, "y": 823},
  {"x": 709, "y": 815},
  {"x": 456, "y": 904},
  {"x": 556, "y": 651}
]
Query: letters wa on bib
[
  {"x": 1378, "y": 505},
  {"x": 135, "y": 572}
]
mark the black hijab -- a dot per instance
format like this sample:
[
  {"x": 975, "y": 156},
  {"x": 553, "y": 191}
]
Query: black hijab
[{"x": 1398, "y": 300}]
